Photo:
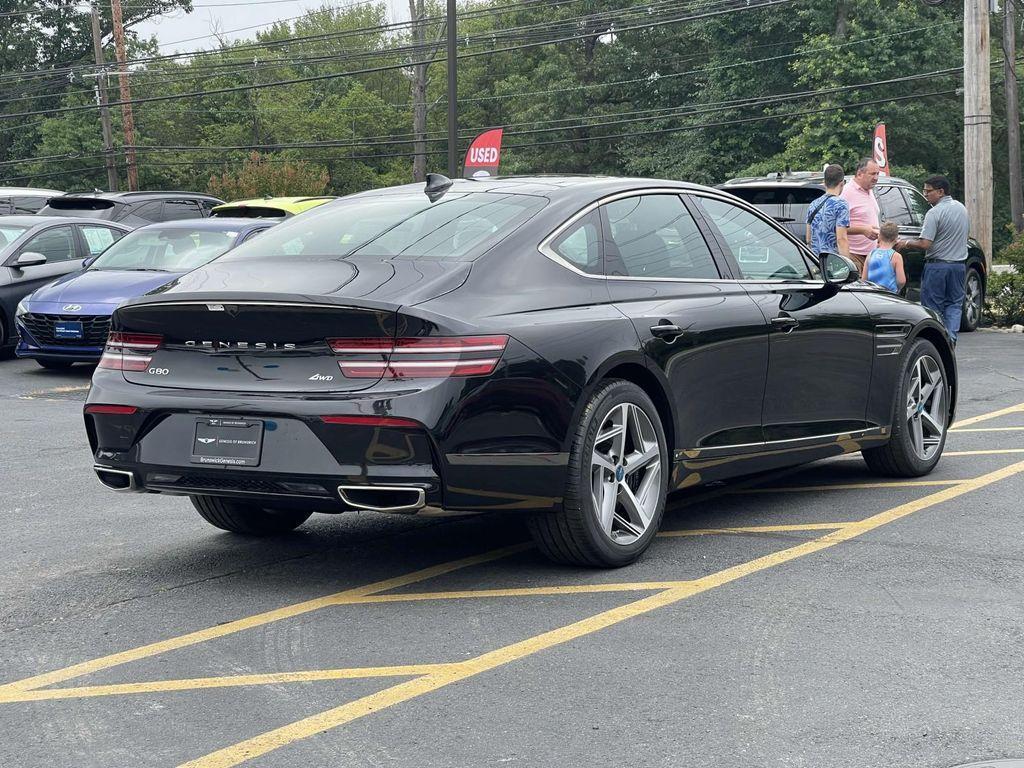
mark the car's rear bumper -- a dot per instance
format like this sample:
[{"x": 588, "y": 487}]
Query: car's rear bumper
[{"x": 430, "y": 465}]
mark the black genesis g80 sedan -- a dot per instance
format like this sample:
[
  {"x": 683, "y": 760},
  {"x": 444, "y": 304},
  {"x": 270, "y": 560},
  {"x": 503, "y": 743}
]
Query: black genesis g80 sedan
[{"x": 572, "y": 348}]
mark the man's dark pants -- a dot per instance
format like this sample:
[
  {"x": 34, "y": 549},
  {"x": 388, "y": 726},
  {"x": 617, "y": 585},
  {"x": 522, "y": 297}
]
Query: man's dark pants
[{"x": 942, "y": 289}]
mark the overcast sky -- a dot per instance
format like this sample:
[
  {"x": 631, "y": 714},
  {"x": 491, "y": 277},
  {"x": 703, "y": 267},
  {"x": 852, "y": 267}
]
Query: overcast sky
[{"x": 175, "y": 31}]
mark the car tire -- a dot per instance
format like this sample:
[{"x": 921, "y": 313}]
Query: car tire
[
  {"x": 919, "y": 424},
  {"x": 586, "y": 532},
  {"x": 974, "y": 301},
  {"x": 243, "y": 517},
  {"x": 55, "y": 365},
  {"x": 6, "y": 349}
]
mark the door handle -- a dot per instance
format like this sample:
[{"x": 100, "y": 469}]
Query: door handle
[
  {"x": 666, "y": 330},
  {"x": 785, "y": 323}
]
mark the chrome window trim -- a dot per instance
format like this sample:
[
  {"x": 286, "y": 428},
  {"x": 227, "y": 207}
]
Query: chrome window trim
[{"x": 546, "y": 249}]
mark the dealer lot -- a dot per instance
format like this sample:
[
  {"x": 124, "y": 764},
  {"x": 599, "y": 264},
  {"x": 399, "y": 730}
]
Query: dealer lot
[{"x": 815, "y": 617}]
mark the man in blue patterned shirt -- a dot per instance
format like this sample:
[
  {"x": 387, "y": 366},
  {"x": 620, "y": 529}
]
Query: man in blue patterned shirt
[{"x": 829, "y": 216}]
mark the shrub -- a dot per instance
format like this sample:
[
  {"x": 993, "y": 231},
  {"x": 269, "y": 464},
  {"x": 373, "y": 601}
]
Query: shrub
[
  {"x": 1013, "y": 254},
  {"x": 1004, "y": 298},
  {"x": 276, "y": 177}
]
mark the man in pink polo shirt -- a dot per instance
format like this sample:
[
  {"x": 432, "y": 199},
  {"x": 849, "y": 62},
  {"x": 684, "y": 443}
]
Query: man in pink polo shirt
[{"x": 863, "y": 229}]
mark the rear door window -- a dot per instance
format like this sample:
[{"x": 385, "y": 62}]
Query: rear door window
[
  {"x": 150, "y": 212},
  {"x": 655, "y": 236},
  {"x": 175, "y": 210},
  {"x": 97, "y": 239}
]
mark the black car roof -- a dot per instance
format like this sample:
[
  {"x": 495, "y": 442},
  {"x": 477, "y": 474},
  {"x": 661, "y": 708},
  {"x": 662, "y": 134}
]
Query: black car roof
[
  {"x": 800, "y": 179},
  {"x": 561, "y": 187},
  {"x": 129, "y": 197}
]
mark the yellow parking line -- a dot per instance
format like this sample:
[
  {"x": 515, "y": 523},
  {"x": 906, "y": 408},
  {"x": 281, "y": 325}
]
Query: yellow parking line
[
  {"x": 332, "y": 718},
  {"x": 850, "y": 486},
  {"x": 989, "y": 429},
  {"x": 757, "y": 529},
  {"x": 228, "y": 681},
  {"x": 990, "y": 452},
  {"x": 231, "y": 627},
  {"x": 570, "y": 589},
  {"x": 1019, "y": 408}
]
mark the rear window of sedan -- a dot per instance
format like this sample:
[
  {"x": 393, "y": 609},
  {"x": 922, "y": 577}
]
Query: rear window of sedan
[{"x": 457, "y": 227}]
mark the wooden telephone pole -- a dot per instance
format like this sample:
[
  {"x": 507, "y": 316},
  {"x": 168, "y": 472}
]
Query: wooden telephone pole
[
  {"x": 1012, "y": 112},
  {"x": 101, "y": 98},
  {"x": 978, "y": 124},
  {"x": 126, "y": 96}
]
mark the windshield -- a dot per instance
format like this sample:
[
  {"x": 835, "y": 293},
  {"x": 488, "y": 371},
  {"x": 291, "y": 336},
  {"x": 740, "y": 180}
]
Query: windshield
[
  {"x": 165, "y": 249},
  {"x": 9, "y": 233},
  {"x": 456, "y": 227}
]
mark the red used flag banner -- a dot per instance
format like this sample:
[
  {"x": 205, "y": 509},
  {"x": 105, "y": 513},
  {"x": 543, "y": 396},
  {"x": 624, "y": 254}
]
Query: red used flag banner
[
  {"x": 483, "y": 155},
  {"x": 880, "y": 149}
]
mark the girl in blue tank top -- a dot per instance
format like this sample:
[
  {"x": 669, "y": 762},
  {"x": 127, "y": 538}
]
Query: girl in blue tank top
[{"x": 884, "y": 265}]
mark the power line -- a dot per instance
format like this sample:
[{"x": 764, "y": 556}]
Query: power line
[{"x": 742, "y": 5}]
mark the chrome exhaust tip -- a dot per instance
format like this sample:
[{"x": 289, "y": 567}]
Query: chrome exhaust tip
[
  {"x": 394, "y": 499},
  {"x": 115, "y": 479}
]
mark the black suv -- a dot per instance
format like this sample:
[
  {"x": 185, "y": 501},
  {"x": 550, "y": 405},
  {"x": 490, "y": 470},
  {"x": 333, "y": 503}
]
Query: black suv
[
  {"x": 136, "y": 209},
  {"x": 786, "y": 197}
]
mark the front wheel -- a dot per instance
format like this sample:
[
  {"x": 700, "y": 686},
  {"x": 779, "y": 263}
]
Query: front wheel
[
  {"x": 974, "y": 301},
  {"x": 919, "y": 417},
  {"x": 243, "y": 517},
  {"x": 617, "y": 480}
]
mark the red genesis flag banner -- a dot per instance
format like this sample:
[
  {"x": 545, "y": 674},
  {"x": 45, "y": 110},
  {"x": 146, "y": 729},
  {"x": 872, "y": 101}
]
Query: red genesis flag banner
[
  {"x": 880, "y": 149},
  {"x": 483, "y": 155}
]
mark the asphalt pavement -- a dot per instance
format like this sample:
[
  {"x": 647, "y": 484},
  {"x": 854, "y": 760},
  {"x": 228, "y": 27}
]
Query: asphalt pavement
[{"x": 815, "y": 618}]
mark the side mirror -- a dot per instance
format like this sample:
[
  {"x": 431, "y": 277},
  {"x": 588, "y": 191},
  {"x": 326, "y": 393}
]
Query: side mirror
[
  {"x": 838, "y": 270},
  {"x": 30, "y": 259}
]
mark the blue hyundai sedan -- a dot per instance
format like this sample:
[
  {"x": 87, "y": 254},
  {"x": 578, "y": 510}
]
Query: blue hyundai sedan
[{"x": 66, "y": 321}]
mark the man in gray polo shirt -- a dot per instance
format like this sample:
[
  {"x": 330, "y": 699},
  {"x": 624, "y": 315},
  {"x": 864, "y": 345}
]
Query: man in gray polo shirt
[{"x": 944, "y": 240}]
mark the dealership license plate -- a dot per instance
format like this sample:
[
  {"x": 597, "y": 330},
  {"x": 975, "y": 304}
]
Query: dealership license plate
[
  {"x": 228, "y": 442},
  {"x": 68, "y": 329}
]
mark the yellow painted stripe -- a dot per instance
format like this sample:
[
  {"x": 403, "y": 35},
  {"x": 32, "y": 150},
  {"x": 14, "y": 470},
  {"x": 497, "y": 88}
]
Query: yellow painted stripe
[
  {"x": 1019, "y": 408},
  {"x": 991, "y": 452},
  {"x": 850, "y": 486},
  {"x": 231, "y": 627},
  {"x": 228, "y": 681},
  {"x": 988, "y": 429},
  {"x": 571, "y": 589},
  {"x": 757, "y": 529},
  {"x": 367, "y": 705}
]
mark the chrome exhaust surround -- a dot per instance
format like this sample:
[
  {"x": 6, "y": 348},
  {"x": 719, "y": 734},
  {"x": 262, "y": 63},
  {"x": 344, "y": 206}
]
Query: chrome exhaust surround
[
  {"x": 115, "y": 479},
  {"x": 416, "y": 498}
]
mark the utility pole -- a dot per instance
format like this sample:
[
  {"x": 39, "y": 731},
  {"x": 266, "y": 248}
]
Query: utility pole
[
  {"x": 126, "y": 96},
  {"x": 417, "y": 16},
  {"x": 1012, "y": 112},
  {"x": 978, "y": 124},
  {"x": 101, "y": 99},
  {"x": 453, "y": 94}
]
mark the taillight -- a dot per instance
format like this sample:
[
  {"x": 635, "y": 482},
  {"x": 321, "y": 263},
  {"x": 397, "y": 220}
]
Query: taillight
[
  {"x": 111, "y": 410},
  {"x": 127, "y": 351},
  {"x": 419, "y": 358},
  {"x": 372, "y": 421}
]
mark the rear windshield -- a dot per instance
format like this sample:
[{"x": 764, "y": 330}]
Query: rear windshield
[
  {"x": 165, "y": 249},
  {"x": 250, "y": 212},
  {"x": 85, "y": 207},
  {"x": 457, "y": 227},
  {"x": 783, "y": 204}
]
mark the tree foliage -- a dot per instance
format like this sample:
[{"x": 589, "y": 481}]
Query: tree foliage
[
  {"x": 704, "y": 98},
  {"x": 268, "y": 176}
]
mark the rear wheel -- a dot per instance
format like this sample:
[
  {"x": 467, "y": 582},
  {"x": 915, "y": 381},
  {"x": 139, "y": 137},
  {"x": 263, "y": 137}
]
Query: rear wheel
[
  {"x": 617, "y": 479},
  {"x": 974, "y": 301},
  {"x": 243, "y": 517},
  {"x": 919, "y": 418},
  {"x": 55, "y": 365}
]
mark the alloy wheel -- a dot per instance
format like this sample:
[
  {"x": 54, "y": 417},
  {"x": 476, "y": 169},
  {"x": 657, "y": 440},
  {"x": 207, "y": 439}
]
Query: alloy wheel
[
  {"x": 626, "y": 473},
  {"x": 972, "y": 299},
  {"x": 926, "y": 407}
]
